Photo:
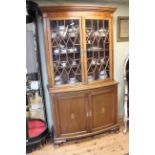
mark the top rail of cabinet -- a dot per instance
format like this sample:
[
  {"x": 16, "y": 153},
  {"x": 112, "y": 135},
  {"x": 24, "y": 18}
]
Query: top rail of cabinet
[{"x": 77, "y": 8}]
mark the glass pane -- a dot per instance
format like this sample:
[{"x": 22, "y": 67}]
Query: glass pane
[
  {"x": 97, "y": 45},
  {"x": 65, "y": 39}
]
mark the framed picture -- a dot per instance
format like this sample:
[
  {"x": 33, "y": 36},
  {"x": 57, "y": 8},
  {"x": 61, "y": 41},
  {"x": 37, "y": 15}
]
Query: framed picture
[{"x": 122, "y": 28}]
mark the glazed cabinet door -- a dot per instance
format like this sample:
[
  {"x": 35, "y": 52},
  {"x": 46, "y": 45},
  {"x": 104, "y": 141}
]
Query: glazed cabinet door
[
  {"x": 70, "y": 114},
  {"x": 103, "y": 105},
  {"x": 63, "y": 51},
  {"x": 98, "y": 48}
]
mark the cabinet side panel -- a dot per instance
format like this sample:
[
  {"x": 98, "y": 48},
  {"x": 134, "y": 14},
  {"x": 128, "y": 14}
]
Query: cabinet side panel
[{"x": 55, "y": 115}]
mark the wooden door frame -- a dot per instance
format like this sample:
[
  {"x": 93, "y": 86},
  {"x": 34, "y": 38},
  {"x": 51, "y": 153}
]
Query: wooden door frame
[
  {"x": 48, "y": 47},
  {"x": 111, "y": 55}
]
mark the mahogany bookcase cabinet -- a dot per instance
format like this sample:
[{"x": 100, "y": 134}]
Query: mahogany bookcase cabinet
[{"x": 79, "y": 54}]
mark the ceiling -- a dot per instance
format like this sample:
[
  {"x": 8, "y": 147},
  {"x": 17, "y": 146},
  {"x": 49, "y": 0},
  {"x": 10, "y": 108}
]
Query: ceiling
[{"x": 97, "y": 2}]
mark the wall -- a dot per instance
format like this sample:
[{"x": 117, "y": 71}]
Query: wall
[{"x": 121, "y": 50}]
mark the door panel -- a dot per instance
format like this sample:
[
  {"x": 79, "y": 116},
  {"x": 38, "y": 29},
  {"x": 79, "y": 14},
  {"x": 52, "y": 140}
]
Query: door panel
[
  {"x": 72, "y": 110},
  {"x": 103, "y": 106}
]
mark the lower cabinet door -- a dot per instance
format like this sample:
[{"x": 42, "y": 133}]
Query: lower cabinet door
[
  {"x": 70, "y": 114},
  {"x": 103, "y": 105}
]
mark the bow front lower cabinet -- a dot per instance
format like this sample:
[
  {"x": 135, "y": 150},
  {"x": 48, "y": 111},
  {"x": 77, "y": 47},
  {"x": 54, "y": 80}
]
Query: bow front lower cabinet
[{"x": 79, "y": 55}]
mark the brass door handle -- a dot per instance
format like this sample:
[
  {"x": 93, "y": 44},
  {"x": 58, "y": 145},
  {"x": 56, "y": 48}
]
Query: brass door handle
[
  {"x": 89, "y": 114},
  {"x": 103, "y": 110},
  {"x": 72, "y": 116}
]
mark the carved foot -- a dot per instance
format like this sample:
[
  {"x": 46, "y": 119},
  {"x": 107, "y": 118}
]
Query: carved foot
[
  {"x": 58, "y": 142},
  {"x": 114, "y": 130},
  {"x": 125, "y": 131}
]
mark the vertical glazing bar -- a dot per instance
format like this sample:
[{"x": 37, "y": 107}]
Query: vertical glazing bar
[
  {"x": 58, "y": 46},
  {"x": 104, "y": 42},
  {"x": 93, "y": 39},
  {"x": 98, "y": 41},
  {"x": 65, "y": 47}
]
